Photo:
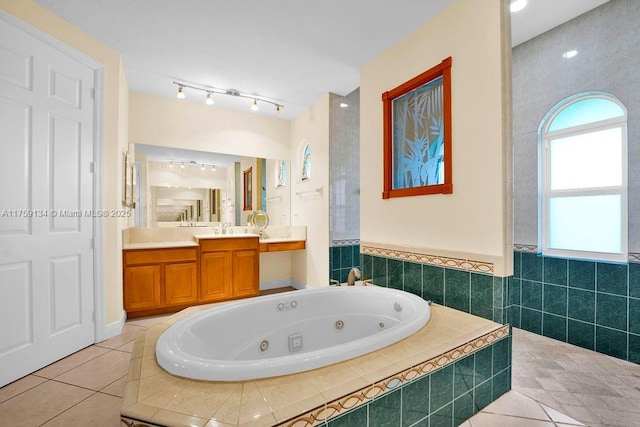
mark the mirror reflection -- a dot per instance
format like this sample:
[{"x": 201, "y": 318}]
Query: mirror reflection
[{"x": 180, "y": 188}]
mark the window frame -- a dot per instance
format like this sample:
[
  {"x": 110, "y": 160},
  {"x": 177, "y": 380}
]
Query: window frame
[{"x": 545, "y": 193}]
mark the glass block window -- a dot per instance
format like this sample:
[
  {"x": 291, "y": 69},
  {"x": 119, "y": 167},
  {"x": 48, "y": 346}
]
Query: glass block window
[{"x": 583, "y": 179}]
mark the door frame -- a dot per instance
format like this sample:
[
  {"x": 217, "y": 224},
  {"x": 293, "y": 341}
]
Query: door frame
[{"x": 99, "y": 316}]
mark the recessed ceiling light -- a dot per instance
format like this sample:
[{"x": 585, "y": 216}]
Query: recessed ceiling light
[
  {"x": 343, "y": 105},
  {"x": 570, "y": 54},
  {"x": 518, "y": 5}
]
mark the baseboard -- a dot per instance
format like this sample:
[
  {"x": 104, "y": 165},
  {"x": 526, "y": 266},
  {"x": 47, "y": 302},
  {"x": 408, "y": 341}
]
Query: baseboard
[
  {"x": 115, "y": 328},
  {"x": 274, "y": 284},
  {"x": 297, "y": 284}
]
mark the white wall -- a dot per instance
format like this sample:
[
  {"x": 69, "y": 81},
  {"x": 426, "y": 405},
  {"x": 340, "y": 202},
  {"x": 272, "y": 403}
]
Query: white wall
[
  {"x": 172, "y": 122},
  {"x": 475, "y": 221},
  {"x": 311, "y": 267},
  {"x": 278, "y": 198}
]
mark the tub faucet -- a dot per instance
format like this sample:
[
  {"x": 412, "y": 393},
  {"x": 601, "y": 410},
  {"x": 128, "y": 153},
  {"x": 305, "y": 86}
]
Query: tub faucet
[{"x": 354, "y": 274}]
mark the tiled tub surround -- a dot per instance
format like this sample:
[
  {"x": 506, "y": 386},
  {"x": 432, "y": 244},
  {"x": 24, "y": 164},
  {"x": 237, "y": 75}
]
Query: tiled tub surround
[
  {"x": 343, "y": 256},
  {"x": 431, "y": 278},
  {"x": 590, "y": 304},
  {"x": 450, "y": 369}
]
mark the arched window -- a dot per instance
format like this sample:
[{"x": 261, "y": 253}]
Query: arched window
[{"x": 583, "y": 178}]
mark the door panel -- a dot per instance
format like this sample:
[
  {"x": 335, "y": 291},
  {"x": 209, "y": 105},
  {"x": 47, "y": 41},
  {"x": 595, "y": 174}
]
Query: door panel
[
  {"x": 144, "y": 287},
  {"x": 215, "y": 275},
  {"x": 65, "y": 290},
  {"x": 14, "y": 164},
  {"x": 46, "y": 186},
  {"x": 15, "y": 288},
  {"x": 246, "y": 273},
  {"x": 181, "y": 284}
]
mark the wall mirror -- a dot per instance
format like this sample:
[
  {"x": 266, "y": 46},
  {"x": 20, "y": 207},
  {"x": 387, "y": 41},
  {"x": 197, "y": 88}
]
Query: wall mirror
[{"x": 181, "y": 187}]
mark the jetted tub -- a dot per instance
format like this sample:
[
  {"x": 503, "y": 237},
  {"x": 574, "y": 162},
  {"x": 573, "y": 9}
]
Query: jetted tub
[{"x": 289, "y": 332}]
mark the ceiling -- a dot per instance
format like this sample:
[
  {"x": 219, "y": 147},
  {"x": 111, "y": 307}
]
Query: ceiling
[{"x": 289, "y": 51}]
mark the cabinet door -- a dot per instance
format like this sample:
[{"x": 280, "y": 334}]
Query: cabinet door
[
  {"x": 246, "y": 274},
  {"x": 181, "y": 283},
  {"x": 141, "y": 287},
  {"x": 215, "y": 275}
]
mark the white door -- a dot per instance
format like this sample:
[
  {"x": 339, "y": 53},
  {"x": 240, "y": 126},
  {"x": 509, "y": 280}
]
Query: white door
[{"x": 46, "y": 197}]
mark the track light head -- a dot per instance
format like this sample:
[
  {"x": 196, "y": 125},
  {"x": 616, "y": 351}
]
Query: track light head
[
  {"x": 254, "y": 106},
  {"x": 181, "y": 94},
  {"x": 209, "y": 99}
]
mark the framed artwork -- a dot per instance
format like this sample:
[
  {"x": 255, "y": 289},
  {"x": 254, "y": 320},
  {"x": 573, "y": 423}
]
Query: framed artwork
[
  {"x": 417, "y": 135},
  {"x": 248, "y": 190}
]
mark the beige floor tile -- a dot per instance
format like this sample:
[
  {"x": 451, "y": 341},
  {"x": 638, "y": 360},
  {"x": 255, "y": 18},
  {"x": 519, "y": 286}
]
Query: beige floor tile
[
  {"x": 70, "y": 362},
  {"x": 117, "y": 387},
  {"x": 99, "y": 410},
  {"x": 179, "y": 420},
  {"x": 39, "y": 404},
  {"x": 281, "y": 392},
  {"x": 128, "y": 334},
  {"x": 516, "y": 404},
  {"x": 128, "y": 347},
  {"x": 252, "y": 404},
  {"x": 148, "y": 321},
  {"x": 99, "y": 372},
  {"x": 19, "y": 386}
]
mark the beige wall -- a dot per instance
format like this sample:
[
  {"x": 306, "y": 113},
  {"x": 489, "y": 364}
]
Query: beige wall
[
  {"x": 172, "y": 122},
  {"x": 311, "y": 267},
  {"x": 115, "y": 133},
  {"x": 474, "y": 222}
]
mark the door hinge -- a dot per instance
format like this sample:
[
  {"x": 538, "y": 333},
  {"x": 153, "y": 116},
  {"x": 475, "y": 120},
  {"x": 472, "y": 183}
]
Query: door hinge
[
  {"x": 92, "y": 93},
  {"x": 92, "y": 168},
  {"x": 93, "y": 243}
]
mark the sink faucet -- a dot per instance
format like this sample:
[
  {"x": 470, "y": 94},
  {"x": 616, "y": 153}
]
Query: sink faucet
[{"x": 354, "y": 274}]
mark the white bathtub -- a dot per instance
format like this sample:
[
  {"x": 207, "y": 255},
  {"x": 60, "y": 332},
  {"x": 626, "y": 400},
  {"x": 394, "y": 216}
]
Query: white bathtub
[{"x": 289, "y": 332}]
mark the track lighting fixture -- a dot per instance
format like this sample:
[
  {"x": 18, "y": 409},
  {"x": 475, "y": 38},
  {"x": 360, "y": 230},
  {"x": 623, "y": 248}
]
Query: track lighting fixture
[
  {"x": 210, "y": 91},
  {"x": 203, "y": 166},
  {"x": 181, "y": 94}
]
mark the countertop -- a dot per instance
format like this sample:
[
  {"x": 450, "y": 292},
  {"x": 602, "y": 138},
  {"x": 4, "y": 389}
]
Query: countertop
[{"x": 160, "y": 245}]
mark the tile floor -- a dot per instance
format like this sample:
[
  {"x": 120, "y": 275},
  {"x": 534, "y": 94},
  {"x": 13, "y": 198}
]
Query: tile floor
[{"x": 86, "y": 388}]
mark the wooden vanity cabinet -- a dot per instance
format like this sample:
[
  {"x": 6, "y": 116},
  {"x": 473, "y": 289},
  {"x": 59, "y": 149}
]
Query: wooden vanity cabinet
[
  {"x": 159, "y": 281},
  {"x": 229, "y": 268}
]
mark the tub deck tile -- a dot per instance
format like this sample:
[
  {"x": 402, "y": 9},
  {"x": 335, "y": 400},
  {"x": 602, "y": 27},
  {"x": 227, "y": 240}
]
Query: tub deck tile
[{"x": 304, "y": 399}]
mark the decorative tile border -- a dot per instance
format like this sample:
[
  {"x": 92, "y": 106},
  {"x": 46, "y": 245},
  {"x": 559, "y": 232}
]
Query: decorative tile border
[
  {"x": 461, "y": 264},
  {"x": 525, "y": 248},
  {"x": 339, "y": 406},
  {"x": 348, "y": 242},
  {"x": 633, "y": 257}
]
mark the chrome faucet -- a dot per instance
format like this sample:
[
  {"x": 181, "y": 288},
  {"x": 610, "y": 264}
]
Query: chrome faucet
[{"x": 354, "y": 274}]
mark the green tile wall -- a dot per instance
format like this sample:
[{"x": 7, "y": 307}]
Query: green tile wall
[
  {"x": 446, "y": 397},
  {"x": 590, "y": 304},
  {"x": 342, "y": 259},
  {"x": 481, "y": 294}
]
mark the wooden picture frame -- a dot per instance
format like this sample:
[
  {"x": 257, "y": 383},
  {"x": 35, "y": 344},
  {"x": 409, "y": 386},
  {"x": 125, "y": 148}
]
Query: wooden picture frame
[
  {"x": 247, "y": 187},
  {"x": 417, "y": 135}
]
